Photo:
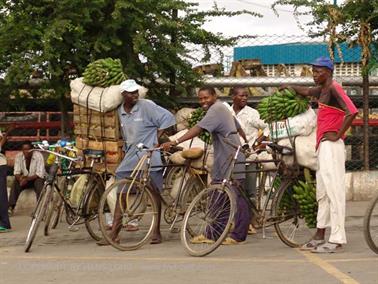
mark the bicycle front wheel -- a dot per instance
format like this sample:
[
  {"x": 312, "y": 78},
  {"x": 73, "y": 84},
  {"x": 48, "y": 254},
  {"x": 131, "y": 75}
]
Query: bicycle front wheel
[
  {"x": 209, "y": 218},
  {"x": 127, "y": 214},
  {"x": 371, "y": 224},
  {"x": 290, "y": 224},
  {"x": 95, "y": 190},
  {"x": 38, "y": 215}
]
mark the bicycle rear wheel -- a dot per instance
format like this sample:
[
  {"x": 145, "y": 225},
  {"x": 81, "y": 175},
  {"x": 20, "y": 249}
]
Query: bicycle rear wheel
[
  {"x": 371, "y": 224},
  {"x": 127, "y": 214},
  {"x": 95, "y": 190},
  {"x": 290, "y": 225},
  {"x": 209, "y": 218},
  {"x": 38, "y": 215}
]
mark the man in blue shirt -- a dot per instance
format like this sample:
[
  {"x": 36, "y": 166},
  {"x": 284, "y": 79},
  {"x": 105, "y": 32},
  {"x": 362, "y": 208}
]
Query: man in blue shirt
[{"x": 142, "y": 121}]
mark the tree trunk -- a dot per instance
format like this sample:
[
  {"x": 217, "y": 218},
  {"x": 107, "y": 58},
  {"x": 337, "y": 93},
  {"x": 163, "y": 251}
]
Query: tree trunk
[{"x": 365, "y": 99}]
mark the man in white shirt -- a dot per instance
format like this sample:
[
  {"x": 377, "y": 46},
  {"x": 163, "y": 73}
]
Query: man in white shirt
[
  {"x": 29, "y": 172},
  {"x": 251, "y": 123}
]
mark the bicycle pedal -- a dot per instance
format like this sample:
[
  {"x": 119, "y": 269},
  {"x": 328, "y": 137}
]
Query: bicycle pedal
[{"x": 175, "y": 230}]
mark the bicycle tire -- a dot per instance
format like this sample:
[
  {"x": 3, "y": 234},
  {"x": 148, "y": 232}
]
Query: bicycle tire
[
  {"x": 215, "y": 195},
  {"x": 294, "y": 217},
  {"x": 137, "y": 206},
  {"x": 53, "y": 212},
  {"x": 38, "y": 215},
  {"x": 371, "y": 212},
  {"x": 95, "y": 191}
]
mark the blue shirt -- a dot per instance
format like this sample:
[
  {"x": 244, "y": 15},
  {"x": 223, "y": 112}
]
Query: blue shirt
[{"x": 141, "y": 126}]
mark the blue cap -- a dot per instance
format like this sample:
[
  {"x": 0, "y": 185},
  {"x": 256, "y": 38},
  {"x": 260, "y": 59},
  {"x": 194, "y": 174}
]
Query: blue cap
[{"x": 323, "y": 62}]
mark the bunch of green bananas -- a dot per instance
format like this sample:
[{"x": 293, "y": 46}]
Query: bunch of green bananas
[
  {"x": 194, "y": 118},
  {"x": 305, "y": 195},
  {"x": 104, "y": 73},
  {"x": 281, "y": 105}
]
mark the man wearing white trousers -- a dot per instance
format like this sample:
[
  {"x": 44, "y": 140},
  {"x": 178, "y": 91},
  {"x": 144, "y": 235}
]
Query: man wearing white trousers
[{"x": 335, "y": 115}]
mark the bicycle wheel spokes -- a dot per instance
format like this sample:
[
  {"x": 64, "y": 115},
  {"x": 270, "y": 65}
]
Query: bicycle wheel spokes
[
  {"x": 38, "y": 215},
  {"x": 371, "y": 224},
  {"x": 290, "y": 225},
  {"x": 128, "y": 214},
  {"x": 208, "y": 218}
]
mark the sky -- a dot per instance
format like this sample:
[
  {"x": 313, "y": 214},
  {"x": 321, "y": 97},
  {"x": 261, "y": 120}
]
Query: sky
[{"x": 270, "y": 24}]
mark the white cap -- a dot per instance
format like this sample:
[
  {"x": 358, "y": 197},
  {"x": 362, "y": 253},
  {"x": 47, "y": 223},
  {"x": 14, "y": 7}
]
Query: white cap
[{"x": 129, "y": 86}]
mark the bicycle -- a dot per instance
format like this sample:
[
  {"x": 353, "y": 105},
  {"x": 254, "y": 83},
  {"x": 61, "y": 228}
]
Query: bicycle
[
  {"x": 211, "y": 213},
  {"x": 136, "y": 199},
  {"x": 85, "y": 212},
  {"x": 371, "y": 224}
]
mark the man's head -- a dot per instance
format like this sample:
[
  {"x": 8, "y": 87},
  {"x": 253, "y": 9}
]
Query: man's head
[
  {"x": 322, "y": 70},
  {"x": 130, "y": 92},
  {"x": 207, "y": 96},
  {"x": 26, "y": 146},
  {"x": 239, "y": 96}
]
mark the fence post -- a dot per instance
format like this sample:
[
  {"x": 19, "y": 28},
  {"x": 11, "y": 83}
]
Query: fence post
[{"x": 365, "y": 100}]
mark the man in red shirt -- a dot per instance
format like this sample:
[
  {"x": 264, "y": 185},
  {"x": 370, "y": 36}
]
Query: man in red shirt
[{"x": 335, "y": 115}]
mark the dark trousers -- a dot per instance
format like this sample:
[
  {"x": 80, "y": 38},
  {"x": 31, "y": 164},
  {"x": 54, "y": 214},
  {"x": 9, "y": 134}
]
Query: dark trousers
[
  {"x": 4, "y": 218},
  {"x": 218, "y": 211},
  {"x": 36, "y": 184}
]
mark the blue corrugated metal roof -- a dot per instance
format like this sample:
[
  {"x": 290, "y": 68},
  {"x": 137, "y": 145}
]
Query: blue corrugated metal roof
[{"x": 294, "y": 53}]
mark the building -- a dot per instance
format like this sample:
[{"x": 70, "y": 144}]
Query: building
[{"x": 293, "y": 59}]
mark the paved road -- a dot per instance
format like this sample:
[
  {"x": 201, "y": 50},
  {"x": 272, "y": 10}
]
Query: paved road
[{"x": 73, "y": 257}]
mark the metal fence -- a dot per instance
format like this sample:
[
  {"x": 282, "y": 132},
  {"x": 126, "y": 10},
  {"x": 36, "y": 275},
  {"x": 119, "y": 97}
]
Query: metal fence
[{"x": 263, "y": 63}]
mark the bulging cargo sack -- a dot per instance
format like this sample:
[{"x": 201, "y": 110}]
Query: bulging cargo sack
[
  {"x": 78, "y": 190},
  {"x": 95, "y": 98},
  {"x": 300, "y": 125},
  {"x": 304, "y": 150}
]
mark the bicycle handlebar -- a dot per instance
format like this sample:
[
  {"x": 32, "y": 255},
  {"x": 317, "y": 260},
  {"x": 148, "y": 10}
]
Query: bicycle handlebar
[{"x": 42, "y": 149}]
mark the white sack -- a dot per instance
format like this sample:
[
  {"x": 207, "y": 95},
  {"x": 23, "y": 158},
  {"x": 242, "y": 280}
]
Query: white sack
[
  {"x": 304, "y": 150},
  {"x": 97, "y": 98}
]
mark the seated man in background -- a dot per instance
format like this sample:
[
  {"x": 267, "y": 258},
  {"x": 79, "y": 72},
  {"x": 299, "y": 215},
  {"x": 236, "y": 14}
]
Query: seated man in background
[{"x": 29, "y": 172}]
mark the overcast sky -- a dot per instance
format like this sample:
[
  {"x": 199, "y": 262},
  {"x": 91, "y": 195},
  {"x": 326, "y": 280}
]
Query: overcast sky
[{"x": 270, "y": 24}]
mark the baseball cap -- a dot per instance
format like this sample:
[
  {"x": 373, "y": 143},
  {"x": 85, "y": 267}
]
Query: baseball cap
[
  {"x": 323, "y": 62},
  {"x": 129, "y": 86}
]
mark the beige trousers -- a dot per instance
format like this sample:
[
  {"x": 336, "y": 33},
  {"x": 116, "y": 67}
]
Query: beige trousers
[{"x": 330, "y": 189}]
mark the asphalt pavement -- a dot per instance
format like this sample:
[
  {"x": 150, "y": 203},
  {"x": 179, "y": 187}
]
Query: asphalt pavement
[{"x": 73, "y": 257}]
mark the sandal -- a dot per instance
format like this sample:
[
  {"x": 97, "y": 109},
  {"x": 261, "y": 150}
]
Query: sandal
[
  {"x": 313, "y": 244},
  {"x": 231, "y": 241},
  {"x": 201, "y": 239},
  {"x": 327, "y": 248}
]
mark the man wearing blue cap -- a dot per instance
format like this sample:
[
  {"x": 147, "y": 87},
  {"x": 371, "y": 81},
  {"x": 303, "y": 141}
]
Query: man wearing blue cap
[{"x": 335, "y": 115}]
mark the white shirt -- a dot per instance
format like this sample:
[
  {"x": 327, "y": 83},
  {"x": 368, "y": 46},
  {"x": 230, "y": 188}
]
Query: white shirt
[
  {"x": 37, "y": 165},
  {"x": 250, "y": 122},
  {"x": 3, "y": 159}
]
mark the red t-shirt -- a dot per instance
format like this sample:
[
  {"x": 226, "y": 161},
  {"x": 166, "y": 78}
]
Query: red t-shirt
[{"x": 334, "y": 105}]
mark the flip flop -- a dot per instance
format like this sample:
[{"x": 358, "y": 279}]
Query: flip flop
[
  {"x": 231, "y": 241},
  {"x": 327, "y": 248},
  {"x": 201, "y": 239},
  {"x": 130, "y": 228},
  {"x": 4, "y": 230},
  {"x": 156, "y": 241},
  {"x": 311, "y": 245}
]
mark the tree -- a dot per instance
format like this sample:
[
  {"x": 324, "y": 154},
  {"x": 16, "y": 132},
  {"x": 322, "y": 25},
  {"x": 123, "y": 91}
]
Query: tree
[
  {"x": 355, "y": 22},
  {"x": 59, "y": 38}
]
